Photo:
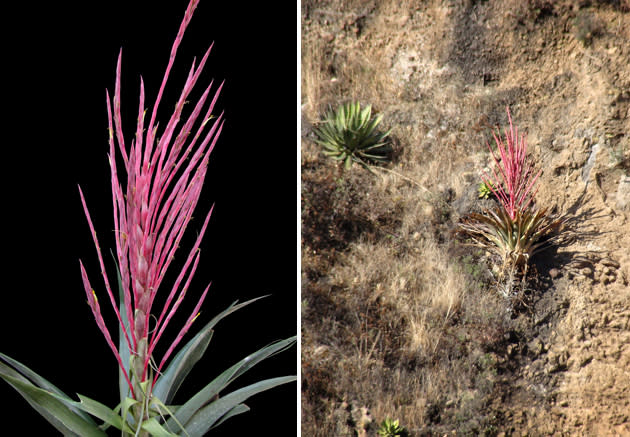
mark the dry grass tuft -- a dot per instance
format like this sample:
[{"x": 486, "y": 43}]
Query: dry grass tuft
[{"x": 386, "y": 326}]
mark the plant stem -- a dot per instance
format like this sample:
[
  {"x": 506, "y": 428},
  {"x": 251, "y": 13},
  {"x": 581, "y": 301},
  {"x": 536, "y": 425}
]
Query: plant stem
[{"x": 142, "y": 391}]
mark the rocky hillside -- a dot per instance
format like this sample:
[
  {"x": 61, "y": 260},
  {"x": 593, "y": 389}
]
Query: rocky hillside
[{"x": 400, "y": 320}]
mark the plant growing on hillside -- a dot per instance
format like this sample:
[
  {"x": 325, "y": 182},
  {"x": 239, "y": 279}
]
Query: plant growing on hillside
[
  {"x": 484, "y": 190},
  {"x": 391, "y": 428},
  {"x": 165, "y": 174},
  {"x": 350, "y": 134},
  {"x": 516, "y": 230}
]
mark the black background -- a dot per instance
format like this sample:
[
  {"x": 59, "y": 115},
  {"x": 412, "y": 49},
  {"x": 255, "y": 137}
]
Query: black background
[{"x": 58, "y": 59}]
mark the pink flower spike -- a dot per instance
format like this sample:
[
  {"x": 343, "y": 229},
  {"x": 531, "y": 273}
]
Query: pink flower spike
[
  {"x": 193, "y": 253},
  {"x": 96, "y": 311},
  {"x": 160, "y": 327},
  {"x": 181, "y": 334},
  {"x": 515, "y": 179},
  {"x": 192, "y": 163},
  {"x": 121, "y": 240},
  {"x": 117, "y": 115},
  {"x": 103, "y": 272},
  {"x": 140, "y": 127},
  {"x": 180, "y": 34}
]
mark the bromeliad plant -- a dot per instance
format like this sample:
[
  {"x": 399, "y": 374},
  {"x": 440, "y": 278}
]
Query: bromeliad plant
[
  {"x": 484, "y": 190},
  {"x": 391, "y": 428},
  {"x": 164, "y": 177},
  {"x": 516, "y": 230},
  {"x": 350, "y": 135}
]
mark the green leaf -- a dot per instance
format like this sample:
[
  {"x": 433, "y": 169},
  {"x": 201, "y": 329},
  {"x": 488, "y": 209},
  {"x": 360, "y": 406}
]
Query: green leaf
[
  {"x": 371, "y": 126},
  {"x": 205, "y": 418},
  {"x": 170, "y": 381},
  {"x": 167, "y": 385},
  {"x": 123, "y": 348},
  {"x": 102, "y": 412},
  {"x": 153, "y": 426},
  {"x": 125, "y": 407},
  {"x": 163, "y": 411},
  {"x": 50, "y": 406},
  {"x": 210, "y": 391},
  {"x": 348, "y": 163},
  {"x": 238, "y": 409},
  {"x": 41, "y": 382},
  {"x": 329, "y": 147},
  {"x": 365, "y": 114},
  {"x": 110, "y": 417}
]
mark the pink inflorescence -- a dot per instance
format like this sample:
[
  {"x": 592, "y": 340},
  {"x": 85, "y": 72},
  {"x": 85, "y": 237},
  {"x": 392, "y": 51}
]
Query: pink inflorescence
[
  {"x": 164, "y": 181},
  {"x": 514, "y": 178}
]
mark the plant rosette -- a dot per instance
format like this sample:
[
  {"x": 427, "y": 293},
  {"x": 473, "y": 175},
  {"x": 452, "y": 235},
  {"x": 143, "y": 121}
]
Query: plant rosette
[{"x": 350, "y": 134}]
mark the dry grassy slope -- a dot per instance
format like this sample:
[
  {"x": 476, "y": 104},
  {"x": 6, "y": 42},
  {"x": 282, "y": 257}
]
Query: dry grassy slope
[{"x": 441, "y": 72}]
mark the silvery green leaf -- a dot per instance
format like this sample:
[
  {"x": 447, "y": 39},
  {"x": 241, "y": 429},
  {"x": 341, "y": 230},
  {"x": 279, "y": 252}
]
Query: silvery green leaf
[
  {"x": 238, "y": 409},
  {"x": 213, "y": 389},
  {"x": 51, "y": 406},
  {"x": 171, "y": 379},
  {"x": 41, "y": 382},
  {"x": 210, "y": 414}
]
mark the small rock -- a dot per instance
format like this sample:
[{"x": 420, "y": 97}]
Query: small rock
[
  {"x": 608, "y": 262},
  {"x": 623, "y": 193},
  {"x": 557, "y": 412},
  {"x": 327, "y": 36},
  {"x": 511, "y": 350},
  {"x": 402, "y": 20},
  {"x": 558, "y": 362},
  {"x": 586, "y": 361},
  {"x": 536, "y": 348},
  {"x": 361, "y": 419},
  {"x": 554, "y": 273}
]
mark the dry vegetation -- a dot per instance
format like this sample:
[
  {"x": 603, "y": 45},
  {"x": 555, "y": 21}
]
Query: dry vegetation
[{"x": 399, "y": 318}]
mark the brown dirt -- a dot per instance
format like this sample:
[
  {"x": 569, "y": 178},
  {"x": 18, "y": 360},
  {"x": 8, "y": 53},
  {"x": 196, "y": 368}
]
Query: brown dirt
[{"x": 441, "y": 72}]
